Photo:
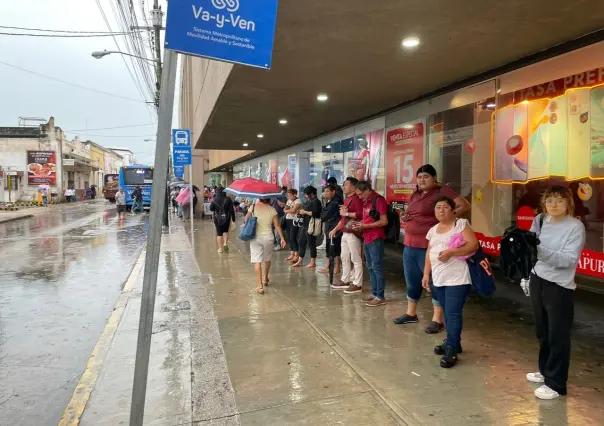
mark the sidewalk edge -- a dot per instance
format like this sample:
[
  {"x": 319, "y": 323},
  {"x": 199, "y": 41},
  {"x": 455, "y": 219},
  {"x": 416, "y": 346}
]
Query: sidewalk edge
[
  {"x": 12, "y": 219},
  {"x": 75, "y": 408}
]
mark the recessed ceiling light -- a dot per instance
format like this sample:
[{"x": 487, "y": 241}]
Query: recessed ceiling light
[
  {"x": 246, "y": 144},
  {"x": 491, "y": 105},
  {"x": 260, "y": 135},
  {"x": 322, "y": 97},
  {"x": 410, "y": 42},
  {"x": 283, "y": 121}
]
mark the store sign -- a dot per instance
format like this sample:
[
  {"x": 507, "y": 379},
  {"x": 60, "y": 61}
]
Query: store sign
[
  {"x": 554, "y": 88},
  {"x": 68, "y": 162},
  {"x": 41, "y": 167},
  {"x": 239, "y": 31},
  {"x": 591, "y": 262},
  {"x": 404, "y": 155},
  {"x": 524, "y": 218}
]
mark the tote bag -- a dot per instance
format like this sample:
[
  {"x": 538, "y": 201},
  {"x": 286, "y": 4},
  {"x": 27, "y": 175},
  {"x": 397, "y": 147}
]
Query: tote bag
[
  {"x": 315, "y": 227},
  {"x": 248, "y": 231},
  {"x": 481, "y": 274}
]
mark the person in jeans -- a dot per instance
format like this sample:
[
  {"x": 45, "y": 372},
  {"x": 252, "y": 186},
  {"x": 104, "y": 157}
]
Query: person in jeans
[
  {"x": 419, "y": 218},
  {"x": 311, "y": 208},
  {"x": 330, "y": 216},
  {"x": 291, "y": 209},
  {"x": 261, "y": 247},
  {"x": 374, "y": 235},
  {"x": 450, "y": 273},
  {"x": 137, "y": 200},
  {"x": 552, "y": 288},
  {"x": 351, "y": 253}
]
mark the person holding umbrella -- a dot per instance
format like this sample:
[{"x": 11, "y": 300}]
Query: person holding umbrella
[{"x": 261, "y": 247}]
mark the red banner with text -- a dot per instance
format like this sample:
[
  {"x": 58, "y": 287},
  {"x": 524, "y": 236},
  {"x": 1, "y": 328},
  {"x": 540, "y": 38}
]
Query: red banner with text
[
  {"x": 591, "y": 262},
  {"x": 404, "y": 155}
]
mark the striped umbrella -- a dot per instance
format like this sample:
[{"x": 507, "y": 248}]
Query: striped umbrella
[{"x": 253, "y": 188}]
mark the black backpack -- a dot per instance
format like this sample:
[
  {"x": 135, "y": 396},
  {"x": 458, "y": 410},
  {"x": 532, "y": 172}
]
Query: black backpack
[
  {"x": 393, "y": 229},
  {"x": 221, "y": 217}
]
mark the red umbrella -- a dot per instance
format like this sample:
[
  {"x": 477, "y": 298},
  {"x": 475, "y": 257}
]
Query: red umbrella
[{"x": 254, "y": 188}]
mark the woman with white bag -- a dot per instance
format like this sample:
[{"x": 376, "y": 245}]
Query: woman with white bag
[{"x": 312, "y": 227}]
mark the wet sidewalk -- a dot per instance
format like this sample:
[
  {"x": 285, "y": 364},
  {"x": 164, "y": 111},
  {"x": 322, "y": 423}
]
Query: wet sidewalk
[{"x": 305, "y": 354}]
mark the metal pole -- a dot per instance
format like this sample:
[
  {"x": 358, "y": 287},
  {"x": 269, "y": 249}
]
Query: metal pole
[
  {"x": 191, "y": 189},
  {"x": 162, "y": 151}
]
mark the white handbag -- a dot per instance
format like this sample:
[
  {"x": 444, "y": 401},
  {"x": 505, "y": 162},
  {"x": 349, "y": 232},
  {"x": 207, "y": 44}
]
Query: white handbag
[{"x": 315, "y": 227}]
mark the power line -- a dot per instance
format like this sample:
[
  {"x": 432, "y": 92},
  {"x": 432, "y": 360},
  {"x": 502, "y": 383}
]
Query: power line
[
  {"x": 68, "y": 83},
  {"x": 56, "y": 31},
  {"x": 114, "y": 136},
  {"x": 111, "y": 128},
  {"x": 62, "y": 35}
]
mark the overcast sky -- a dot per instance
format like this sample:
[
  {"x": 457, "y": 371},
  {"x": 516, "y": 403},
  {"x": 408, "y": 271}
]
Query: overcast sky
[{"x": 69, "y": 59}]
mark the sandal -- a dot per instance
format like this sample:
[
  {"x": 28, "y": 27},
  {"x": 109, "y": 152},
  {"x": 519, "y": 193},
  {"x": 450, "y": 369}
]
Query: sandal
[
  {"x": 311, "y": 266},
  {"x": 297, "y": 264},
  {"x": 260, "y": 290}
]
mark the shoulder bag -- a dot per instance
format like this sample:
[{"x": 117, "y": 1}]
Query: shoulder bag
[
  {"x": 248, "y": 231},
  {"x": 315, "y": 226}
]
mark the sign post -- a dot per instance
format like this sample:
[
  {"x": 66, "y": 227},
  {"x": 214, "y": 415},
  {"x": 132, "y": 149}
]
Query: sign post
[{"x": 182, "y": 156}]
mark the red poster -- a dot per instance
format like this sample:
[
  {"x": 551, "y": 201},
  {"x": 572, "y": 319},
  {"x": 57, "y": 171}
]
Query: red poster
[
  {"x": 41, "y": 168},
  {"x": 273, "y": 168},
  {"x": 591, "y": 262},
  {"x": 404, "y": 155}
]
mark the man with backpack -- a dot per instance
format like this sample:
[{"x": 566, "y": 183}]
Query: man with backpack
[
  {"x": 373, "y": 225},
  {"x": 224, "y": 213}
]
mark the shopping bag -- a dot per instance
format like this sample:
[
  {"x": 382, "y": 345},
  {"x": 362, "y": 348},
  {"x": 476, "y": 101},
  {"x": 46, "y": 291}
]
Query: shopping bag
[{"x": 248, "y": 231}]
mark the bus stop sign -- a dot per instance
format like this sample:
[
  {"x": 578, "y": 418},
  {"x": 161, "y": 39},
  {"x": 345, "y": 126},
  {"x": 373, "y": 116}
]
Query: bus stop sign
[
  {"x": 238, "y": 31},
  {"x": 181, "y": 147}
]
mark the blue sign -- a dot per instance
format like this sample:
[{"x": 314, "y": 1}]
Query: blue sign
[
  {"x": 181, "y": 147},
  {"x": 179, "y": 171},
  {"x": 239, "y": 31}
]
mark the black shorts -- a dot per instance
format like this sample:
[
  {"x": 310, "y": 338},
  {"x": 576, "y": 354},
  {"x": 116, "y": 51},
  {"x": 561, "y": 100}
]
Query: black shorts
[
  {"x": 222, "y": 229},
  {"x": 121, "y": 209}
]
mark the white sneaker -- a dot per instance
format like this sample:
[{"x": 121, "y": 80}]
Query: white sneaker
[
  {"x": 220, "y": 250},
  {"x": 535, "y": 377},
  {"x": 545, "y": 392}
]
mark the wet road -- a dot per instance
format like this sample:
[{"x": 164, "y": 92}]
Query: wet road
[{"x": 61, "y": 274}]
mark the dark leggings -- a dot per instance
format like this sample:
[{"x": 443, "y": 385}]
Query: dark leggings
[
  {"x": 292, "y": 235},
  {"x": 304, "y": 239}
]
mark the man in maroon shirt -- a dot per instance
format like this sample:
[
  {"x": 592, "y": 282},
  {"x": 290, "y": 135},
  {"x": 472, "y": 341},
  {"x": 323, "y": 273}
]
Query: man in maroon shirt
[
  {"x": 373, "y": 225},
  {"x": 350, "y": 212}
]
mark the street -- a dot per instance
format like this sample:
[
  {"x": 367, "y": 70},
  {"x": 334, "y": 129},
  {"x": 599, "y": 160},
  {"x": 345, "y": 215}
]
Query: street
[{"x": 61, "y": 273}]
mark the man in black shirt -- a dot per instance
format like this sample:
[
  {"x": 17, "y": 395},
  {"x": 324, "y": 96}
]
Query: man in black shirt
[{"x": 331, "y": 216}]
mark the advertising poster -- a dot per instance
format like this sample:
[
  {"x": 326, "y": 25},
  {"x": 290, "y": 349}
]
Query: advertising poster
[
  {"x": 597, "y": 132},
  {"x": 404, "y": 155},
  {"x": 579, "y": 133},
  {"x": 273, "y": 168},
  {"x": 41, "y": 167},
  {"x": 365, "y": 162},
  {"x": 292, "y": 165}
]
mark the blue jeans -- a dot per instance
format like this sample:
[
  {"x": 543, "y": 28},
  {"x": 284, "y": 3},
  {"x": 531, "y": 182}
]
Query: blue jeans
[
  {"x": 137, "y": 206},
  {"x": 452, "y": 298},
  {"x": 414, "y": 260},
  {"x": 374, "y": 256}
]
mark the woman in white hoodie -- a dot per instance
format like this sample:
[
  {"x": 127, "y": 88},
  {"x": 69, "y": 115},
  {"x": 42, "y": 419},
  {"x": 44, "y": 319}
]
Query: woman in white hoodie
[{"x": 552, "y": 288}]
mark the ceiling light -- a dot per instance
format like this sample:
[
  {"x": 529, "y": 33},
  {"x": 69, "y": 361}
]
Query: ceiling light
[
  {"x": 328, "y": 147},
  {"x": 246, "y": 144},
  {"x": 260, "y": 135},
  {"x": 491, "y": 105},
  {"x": 322, "y": 97},
  {"x": 410, "y": 42},
  {"x": 283, "y": 121}
]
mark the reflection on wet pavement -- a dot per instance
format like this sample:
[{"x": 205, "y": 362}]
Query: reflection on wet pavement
[{"x": 61, "y": 273}]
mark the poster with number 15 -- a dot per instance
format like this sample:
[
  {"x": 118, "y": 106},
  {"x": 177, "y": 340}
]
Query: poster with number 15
[{"x": 404, "y": 155}]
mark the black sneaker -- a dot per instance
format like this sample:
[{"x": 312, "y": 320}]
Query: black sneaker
[
  {"x": 440, "y": 349},
  {"x": 434, "y": 328},
  {"x": 449, "y": 359},
  {"x": 406, "y": 319}
]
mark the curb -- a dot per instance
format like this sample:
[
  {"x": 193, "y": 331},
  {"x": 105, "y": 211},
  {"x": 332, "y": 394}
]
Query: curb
[
  {"x": 77, "y": 404},
  {"x": 12, "y": 219}
]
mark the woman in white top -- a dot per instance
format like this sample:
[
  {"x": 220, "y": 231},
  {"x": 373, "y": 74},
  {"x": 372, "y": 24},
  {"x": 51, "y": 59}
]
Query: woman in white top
[
  {"x": 291, "y": 209},
  {"x": 552, "y": 287},
  {"x": 450, "y": 274},
  {"x": 261, "y": 247}
]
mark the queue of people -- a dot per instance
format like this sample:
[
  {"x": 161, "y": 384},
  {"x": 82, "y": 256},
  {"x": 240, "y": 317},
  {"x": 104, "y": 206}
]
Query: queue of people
[{"x": 353, "y": 225}]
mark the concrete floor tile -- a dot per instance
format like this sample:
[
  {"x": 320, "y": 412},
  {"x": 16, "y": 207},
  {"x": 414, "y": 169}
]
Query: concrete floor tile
[{"x": 357, "y": 409}]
